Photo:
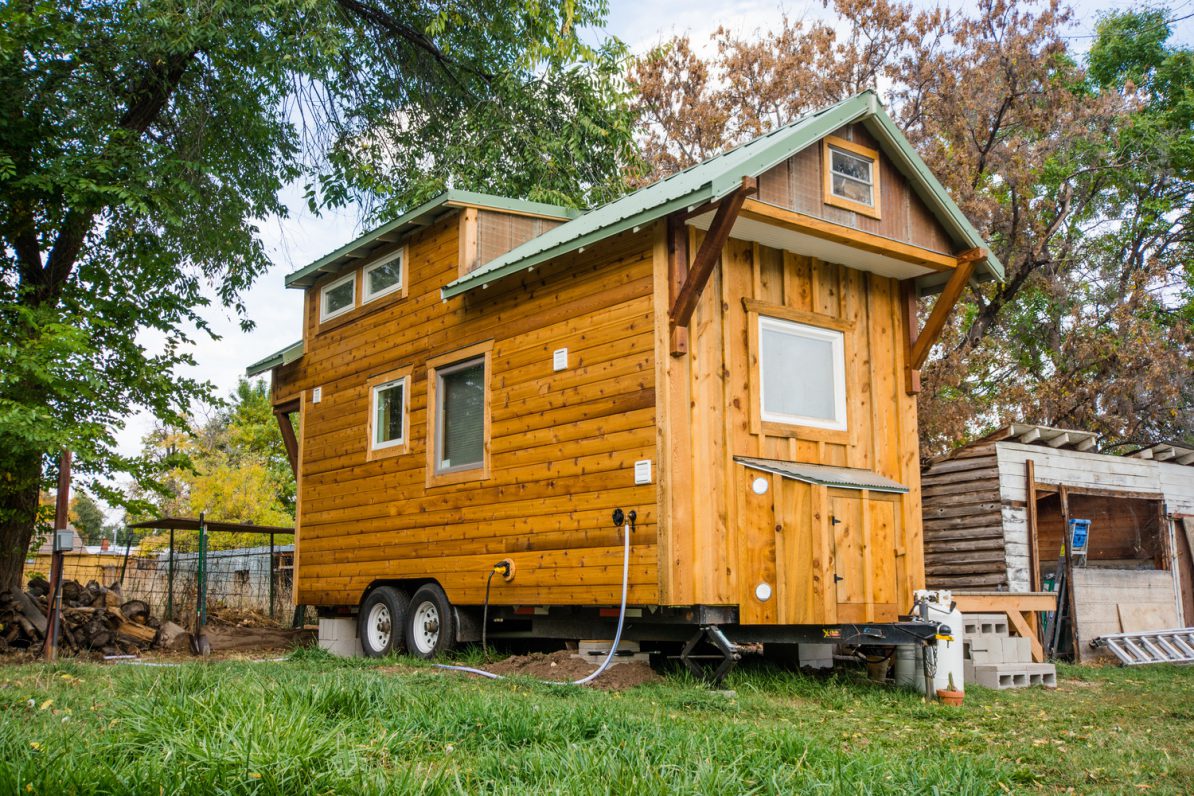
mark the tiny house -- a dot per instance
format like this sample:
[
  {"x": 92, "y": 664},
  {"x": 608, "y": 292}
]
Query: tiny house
[
  {"x": 996, "y": 513},
  {"x": 731, "y": 353}
]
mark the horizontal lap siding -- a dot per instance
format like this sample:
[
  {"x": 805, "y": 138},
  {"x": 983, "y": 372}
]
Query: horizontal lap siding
[{"x": 562, "y": 445}]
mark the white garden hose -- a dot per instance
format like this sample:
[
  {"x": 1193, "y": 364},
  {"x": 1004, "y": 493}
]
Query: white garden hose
[{"x": 609, "y": 658}]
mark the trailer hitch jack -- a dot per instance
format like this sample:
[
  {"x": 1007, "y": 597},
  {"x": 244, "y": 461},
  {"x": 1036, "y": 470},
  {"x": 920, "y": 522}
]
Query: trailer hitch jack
[{"x": 719, "y": 665}]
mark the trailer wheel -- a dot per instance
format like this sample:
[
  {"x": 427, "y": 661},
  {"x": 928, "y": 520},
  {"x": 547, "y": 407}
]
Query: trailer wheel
[
  {"x": 431, "y": 623},
  {"x": 382, "y": 621}
]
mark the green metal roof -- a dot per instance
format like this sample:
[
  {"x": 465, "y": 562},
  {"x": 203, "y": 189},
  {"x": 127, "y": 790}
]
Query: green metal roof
[
  {"x": 284, "y": 357},
  {"x": 720, "y": 175},
  {"x": 422, "y": 216}
]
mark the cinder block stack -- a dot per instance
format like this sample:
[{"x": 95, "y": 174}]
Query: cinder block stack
[
  {"x": 338, "y": 636},
  {"x": 994, "y": 658}
]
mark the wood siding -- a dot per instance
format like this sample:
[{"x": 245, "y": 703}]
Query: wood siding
[
  {"x": 797, "y": 184},
  {"x": 720, "y": 539},
  {"x": 964, "y": 522},
  {"x": 561, "y": 450}
]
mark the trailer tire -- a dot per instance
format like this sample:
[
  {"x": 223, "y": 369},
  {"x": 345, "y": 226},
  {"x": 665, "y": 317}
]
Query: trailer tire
[
  {"x": 431, "y": 623},
  {"x": 381, "y": 624}
]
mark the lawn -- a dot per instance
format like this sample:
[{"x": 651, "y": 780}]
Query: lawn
[{"x": 312, "y": 724}]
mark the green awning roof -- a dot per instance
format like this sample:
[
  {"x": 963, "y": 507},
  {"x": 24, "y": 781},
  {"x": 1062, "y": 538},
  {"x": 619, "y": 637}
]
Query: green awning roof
[
  {"x": 284, "y": 357},
  {"x": 424, "y": 215},
  {"x": 722, "y": 174},
  {"x": 823, "y": 475}
]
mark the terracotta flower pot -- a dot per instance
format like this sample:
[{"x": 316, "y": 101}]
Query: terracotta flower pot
[{"x": 951, "y": 698}]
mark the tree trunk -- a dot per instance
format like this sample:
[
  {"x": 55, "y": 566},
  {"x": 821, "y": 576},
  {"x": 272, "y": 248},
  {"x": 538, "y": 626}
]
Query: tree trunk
[{"x": 20, "y": 488}]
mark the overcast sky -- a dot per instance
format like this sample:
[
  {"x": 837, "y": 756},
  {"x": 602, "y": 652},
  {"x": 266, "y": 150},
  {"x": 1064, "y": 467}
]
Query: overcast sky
[{"x": 302, "y": 238}]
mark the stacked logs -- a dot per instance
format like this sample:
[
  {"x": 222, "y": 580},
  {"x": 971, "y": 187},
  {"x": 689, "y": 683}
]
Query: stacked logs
[{"x": 94, "y": 619}]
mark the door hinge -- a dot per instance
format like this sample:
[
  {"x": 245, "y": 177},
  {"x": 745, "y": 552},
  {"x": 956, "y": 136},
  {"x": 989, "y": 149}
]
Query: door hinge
[{"x": 834, "y": 520}]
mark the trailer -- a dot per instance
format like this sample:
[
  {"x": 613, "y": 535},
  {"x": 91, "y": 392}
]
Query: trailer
[{"x": 729, "y": 355}]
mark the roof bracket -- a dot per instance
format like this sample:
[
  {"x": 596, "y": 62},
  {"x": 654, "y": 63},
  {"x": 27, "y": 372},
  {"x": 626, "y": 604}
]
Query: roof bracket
[
  {"x": 689, "y": 292},
  {"x": 945, "y": 302}
]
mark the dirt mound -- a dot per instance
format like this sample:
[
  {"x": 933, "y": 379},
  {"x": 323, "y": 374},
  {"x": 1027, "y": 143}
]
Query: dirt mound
[{"x": 563, "y": 667}]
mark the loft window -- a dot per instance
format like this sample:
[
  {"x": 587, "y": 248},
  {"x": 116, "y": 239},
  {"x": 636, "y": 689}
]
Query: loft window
[
  {"x": 383, "y": 276},
  {"x": 460, "y": 432},
  {"x": 338, "y": 297},
  {"x": 389, "y": 413},
  {"x": 802, "y": 374},
  {"x": 851, "y": 176}
]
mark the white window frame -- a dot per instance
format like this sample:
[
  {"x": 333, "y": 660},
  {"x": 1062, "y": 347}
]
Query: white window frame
[
  {"x": 324, "y": 315},
  {"x": 374, "y": 443},
  {"x": 869, "y": 183},
  {"x": 400, "y": 256},
  {"x": 838, "y": 341},
  {"x": 438, "y": 442}
]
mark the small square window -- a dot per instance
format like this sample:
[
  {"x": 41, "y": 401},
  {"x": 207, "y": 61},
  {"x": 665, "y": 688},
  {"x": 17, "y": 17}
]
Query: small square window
[
  {"x": 802, "y": 374},
  {"x": 383, "y": 276},
  {"x": 389, "y": 414},
  {"x": 338, "y": 298},
  {"x": 851, "y": 176},
  {"x": 460, "y": 416}
]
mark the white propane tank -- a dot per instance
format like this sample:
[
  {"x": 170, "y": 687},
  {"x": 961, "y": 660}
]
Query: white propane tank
[{"x": 941, "y": 608}]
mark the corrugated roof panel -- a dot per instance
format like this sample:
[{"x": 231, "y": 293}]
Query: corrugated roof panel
[
  {"x": 823, "y": 475},
  {"x": 284, "y": 357}
]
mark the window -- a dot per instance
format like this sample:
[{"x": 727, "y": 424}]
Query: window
[
  {"x": 802, "y": 374},
  {"x": 389, "y": 413},
  {"x": 851, "y": 176},
  {"x": 383, "y": 276},
  {"x": 338, "y": 297},
  {"x": 458, "y": 416}
]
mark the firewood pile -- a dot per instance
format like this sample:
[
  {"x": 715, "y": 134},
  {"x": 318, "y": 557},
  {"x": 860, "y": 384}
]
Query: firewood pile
[{"x": 95, "y": 619}]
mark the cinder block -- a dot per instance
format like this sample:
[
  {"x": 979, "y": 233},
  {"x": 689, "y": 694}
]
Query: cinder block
[
  {"x": 1042, "y": 674},
  {"x": 1001, "y": 676},
  {"x": 968, "y": 671},
  {"x": 594, "y": 651},
  {"x": 976, "y": 624},
  {"x": 1017, "y": 650},
  {"x": 338, "y": 635},
  {"x": 816, "y": 656}
]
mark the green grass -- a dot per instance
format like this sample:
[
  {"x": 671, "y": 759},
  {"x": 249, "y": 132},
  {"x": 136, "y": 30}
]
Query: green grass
[{"x": 314, "y": 724}]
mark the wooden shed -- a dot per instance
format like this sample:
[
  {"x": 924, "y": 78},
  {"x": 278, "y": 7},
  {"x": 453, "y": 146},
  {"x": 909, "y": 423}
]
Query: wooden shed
[
  {"x": 995, "y": 512},
  {"x": 732, "y": 353}
]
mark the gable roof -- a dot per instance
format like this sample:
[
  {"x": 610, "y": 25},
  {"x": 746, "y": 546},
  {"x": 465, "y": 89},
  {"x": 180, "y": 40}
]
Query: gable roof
[
  {"x": 720, "y": 175},
  {"x": 424, "y": 215}
]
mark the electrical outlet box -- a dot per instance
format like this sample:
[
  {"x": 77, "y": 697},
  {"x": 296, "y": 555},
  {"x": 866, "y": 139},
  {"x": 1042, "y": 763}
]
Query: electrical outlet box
[
  {"x": 559, "y": 359},
  {"x": 64, "y": 540},
  {"x": 642, "y": 472},
  {"x": 316, "y": 395}
]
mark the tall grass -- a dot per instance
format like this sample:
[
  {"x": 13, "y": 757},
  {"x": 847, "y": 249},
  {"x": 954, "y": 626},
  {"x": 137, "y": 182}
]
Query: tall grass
[{"x": 319, "y": 725}]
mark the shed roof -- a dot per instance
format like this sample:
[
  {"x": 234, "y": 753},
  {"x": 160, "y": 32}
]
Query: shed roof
[
  {"x": 722, "y": 174},
  {"x": 1071, "y": 439},
  {"x": 1166, "y": 452},
  {"x": 283, "y": 357},
  {"x": 823, "y": 475},
  {"x": 424, "y": 215}
]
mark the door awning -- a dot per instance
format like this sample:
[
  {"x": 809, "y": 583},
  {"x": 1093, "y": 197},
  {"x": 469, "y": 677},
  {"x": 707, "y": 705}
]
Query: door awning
[{"x": 823, "y": 475}]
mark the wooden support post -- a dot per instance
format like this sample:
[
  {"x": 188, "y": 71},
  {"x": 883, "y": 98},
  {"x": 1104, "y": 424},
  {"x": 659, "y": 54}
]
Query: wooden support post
[
  {"x": 710, "y": 252},
  {"x": 289, "y": 439},
  {"x": 1071, "y": 601},
  {"x": 170, "y": 581},
  {"x": 271, "y": 575},
  {"x": 911, "y": 332},
  {"x": 1034, "y": 561},
  {"x": 57, "y": 558},
  {"x": 942, "y": 307}
]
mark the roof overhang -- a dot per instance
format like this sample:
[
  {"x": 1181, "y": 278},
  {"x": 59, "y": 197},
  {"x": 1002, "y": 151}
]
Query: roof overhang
[
  {"x": 426, "y": 214},
  {"x": 824, "y": 475},
  {"x": 721, "y": 175},
  {"x": 287, "y": 355},
  {"x": 194, "y": 523}
]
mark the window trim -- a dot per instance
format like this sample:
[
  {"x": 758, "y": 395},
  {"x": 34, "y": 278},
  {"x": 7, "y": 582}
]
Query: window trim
[
  {"x": 398, "y": 254},
  {"x": 828, "y": 144},
  {"x": 389, "y": 447},
  {"x": 436, "y": 368},
  {"x": 324, "y": 315},
  {"x": 840, "y": 424}
]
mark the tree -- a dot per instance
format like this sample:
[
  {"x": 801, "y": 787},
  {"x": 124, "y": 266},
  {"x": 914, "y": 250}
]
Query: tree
[
  {"x": 1077, "y": 174},
  {"x": 87, "y": 517},
  {"x": 142, "y": 144}
]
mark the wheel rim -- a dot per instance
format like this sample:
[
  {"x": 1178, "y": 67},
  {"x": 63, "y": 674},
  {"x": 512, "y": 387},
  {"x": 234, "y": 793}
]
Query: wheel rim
[
  {"x": 379, "y": 627},
  {"x": 426, "y": 627}
]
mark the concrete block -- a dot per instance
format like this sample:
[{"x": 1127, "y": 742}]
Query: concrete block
[
  {"x": 595, "y": 650},
  {"x": 986, "y": 643},
  {"x": 1042, "y": 674},
  {"x": 338, "y": 635},
  {"x": 1017, "y": 650},
  {"x": 967, "y": 672},
  {"x": 1001, "y": 676},
  {"x": 816, "y": 656},
  {"x": 977, "y": 624}
]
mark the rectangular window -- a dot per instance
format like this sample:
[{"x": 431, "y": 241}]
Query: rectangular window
[
  {"x": 460, "y": 416},
  {"x": 383, "y": 276},
  {"x": 338, "y": 297},
  {"x": 389, "y": 413},
  {"x": 851, "y": 176},
  {"x": 802, "y": 374}
]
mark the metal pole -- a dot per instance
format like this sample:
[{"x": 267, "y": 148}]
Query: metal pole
[
  {"x": 202, "y": 588},
  {"x": 61, "y": 521},
  {"x": 128, "y": 543},
  {"x": 170, "y": 581},
  {"x": 271, "y": 575}
]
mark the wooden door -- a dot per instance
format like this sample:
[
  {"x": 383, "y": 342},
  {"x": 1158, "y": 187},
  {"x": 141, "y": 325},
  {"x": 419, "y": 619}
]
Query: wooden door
[{"x": 865, "y": 532}]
